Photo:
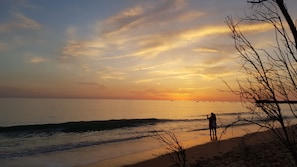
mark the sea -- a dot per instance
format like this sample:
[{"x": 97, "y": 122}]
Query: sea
[{"x": 80, "y": 132}]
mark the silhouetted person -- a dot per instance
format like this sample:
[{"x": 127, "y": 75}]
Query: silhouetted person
[
  {"x": 214, "y": 123},
  {"x": 212, "y": 126},
  {"x": 209, "y": 124}
]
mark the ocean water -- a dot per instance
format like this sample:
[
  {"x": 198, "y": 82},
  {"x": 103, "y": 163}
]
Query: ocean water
[{"x": 72, "y": 132}]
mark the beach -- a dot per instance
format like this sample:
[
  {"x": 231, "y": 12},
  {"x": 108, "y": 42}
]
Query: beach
[{"x": 254, "y": 149}]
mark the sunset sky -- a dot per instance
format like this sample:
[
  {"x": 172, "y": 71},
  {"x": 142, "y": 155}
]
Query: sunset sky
[{"x": 123, "y": 49}]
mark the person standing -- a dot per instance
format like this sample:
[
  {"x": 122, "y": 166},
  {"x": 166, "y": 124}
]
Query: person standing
[
  {"x": 209, "y": 124},
  {"x": 214, "y": 124}
]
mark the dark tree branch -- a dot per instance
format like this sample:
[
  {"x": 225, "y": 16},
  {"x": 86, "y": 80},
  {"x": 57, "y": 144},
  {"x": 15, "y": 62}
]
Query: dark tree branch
[
  {"x": 288, "y": 18},
  {"x": 271, "y": 76}
]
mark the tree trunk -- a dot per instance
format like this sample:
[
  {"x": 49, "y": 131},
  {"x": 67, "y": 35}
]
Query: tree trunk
[{"x": 288, "y": 18}]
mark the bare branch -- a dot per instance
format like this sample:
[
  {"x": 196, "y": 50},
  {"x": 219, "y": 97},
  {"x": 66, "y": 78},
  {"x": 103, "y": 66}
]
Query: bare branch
[
  {"x": 271, "y": 76},
  {"x": 172, "y": 144}
]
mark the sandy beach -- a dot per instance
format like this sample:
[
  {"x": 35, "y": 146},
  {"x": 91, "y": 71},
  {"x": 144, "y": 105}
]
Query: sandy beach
[{"x": 256, "y": 149}]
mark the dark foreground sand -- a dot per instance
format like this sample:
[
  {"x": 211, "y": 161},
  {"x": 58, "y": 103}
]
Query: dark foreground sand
[{"x": 257, "y": 149}]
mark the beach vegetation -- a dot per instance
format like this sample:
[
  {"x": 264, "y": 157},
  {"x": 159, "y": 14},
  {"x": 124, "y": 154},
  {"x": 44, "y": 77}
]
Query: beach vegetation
[
  {"x": 269, "y": 79},
  {"x": 173, "y": 146}
]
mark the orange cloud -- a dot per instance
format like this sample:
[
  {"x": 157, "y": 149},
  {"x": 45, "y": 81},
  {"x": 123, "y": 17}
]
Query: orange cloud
[
  {"x": 36, "y": 60},
  {"x": 132, "y": 46},
  {"x": 206, "y": 50},
  {"x": 111, "y": 74},
  {"x": 133, "y": 32}
]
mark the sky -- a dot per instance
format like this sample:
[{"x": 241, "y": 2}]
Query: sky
[{"x": 122, "y": 49}]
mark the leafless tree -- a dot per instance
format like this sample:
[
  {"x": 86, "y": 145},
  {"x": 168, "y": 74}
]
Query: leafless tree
[
  {"x": 282, "y": 7},
  {"x": 271, "y": 74}
]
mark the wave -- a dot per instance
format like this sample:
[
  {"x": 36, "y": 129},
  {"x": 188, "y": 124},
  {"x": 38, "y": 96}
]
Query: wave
[
  {"x": 61, "y": 147},
  {"x": 81, "y": 126},
  {"x": 87, "y": 126}
]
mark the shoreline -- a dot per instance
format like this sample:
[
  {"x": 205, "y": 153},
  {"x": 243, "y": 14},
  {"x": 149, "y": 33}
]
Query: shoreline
[
  {"x": 199, "y": 147},
  {"x": 256, "y": 149},
  {"x": 204, "y": 151}
]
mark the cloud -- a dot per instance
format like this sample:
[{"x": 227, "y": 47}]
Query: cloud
[
  {"x": 141, "y": 67},
  {"x": 34, "y": 59},
  {"x": 85, "y": 67},
  {"x": 75, "y": 48},
  {"x": 109, "y": 73},
  {"x": 155, "y": 32},
  {"x": 150, "y": 66},
  {"x": 93, "y": 84},
  {"x": 121, "y": 22},
  {"x": 167, "y": 75},
  {"x": 37, "y": 60},
  {"x": 148, "y": 80},
  {"x": 213, "y": 71},
  {"x": 25, "y": 22},
  {"x": 206, "y": 50},
  {"x": 143, "y": 30},
  {"x": 153, "y": 93},
  {"x": 20, "y": 21},
  {"x": 71, "y": 32},
  {"x": 255, "y": 28},
  {"x": 131, "y": 40},
  {"x": 146, "y": 15}
]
